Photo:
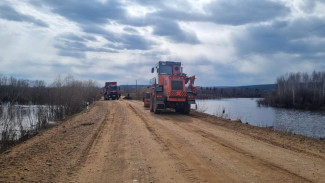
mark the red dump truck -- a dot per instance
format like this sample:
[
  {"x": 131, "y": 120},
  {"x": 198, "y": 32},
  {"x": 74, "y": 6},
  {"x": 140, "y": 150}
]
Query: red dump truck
[{"x": 111, "y": 91}]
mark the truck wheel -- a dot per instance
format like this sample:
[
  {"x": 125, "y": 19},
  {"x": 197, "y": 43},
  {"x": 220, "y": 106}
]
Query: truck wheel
[
  {"x": 187, "y": 108},
  {"x": 155, "y": 106},
  {"x": 151, "y": 105},
  {"x": 177, "y": 109}
]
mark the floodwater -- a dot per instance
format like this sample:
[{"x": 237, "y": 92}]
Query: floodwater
[
  {"x": 15, "y": 119},
  {"x": 307, "y": 123}
]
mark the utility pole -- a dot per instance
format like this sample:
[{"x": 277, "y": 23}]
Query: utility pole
[{"x": 136, "y": 88}]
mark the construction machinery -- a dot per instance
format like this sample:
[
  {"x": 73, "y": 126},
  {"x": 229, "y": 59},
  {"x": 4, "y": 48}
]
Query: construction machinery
[
  {"x": 169, "y": 89},
  {"x": 111, "y": 91},
  {"x": 146, "y": 99}
]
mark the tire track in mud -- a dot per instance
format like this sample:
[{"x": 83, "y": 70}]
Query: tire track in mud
[
  {"x": 240, "y": 154},
  {"x": 124, "y": 159},
  {"x": 94, "y": 139},
  {"x": 116, "y": 164},
  {"x": 105, "y": 161},
  {"x": 92, "y": 143},
  {"x": 183, "y": 159},
  {"x": 137, "y": 159},
  {"x": 240, "y": 151}
]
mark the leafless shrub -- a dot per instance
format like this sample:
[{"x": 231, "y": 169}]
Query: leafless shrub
[
  {"x": 42, "y": 118},
  {"x": 7, "y": 128},
  {"x": 298, "y": 90},
  {"x": 72, "y": 94},
  {"x": 222, "y": 113},
  {"x": 65, "y": 96},
  {"x": 201, "y": 106}
]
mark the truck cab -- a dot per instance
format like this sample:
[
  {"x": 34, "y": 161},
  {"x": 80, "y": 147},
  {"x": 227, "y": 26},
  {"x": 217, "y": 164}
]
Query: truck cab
[{"x": 111, "y": 91}]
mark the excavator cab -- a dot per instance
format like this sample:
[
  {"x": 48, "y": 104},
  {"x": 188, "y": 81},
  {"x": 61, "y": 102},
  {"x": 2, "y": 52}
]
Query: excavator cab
[{"x": 168, "y": 68}]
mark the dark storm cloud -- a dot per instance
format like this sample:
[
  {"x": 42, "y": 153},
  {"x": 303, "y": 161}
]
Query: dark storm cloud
[
  {"x": 79, "y": 46},
  {"x": 155, "y": 55},
  {"x": 92, "y": 15},
  {"x": 135, "y": 42},
  {"x": 73, "y": 54},
  {"x": 9, "y": 13},
  {"x": 165, "y": 21},
  {"x": 235, "y": 12},
  {"x": 229, "y": 12},
  {"x": 86, "y": 12},
  {"x": 229, "y": 75},
  {"x": 130, "y": 42},
  {"x": 121, "y": 40},
  {"x": 309, "y": 6},
  {"x": 74, "y": 37},
  {"x": 162, "y": 26},
  {"x": 130, "y": 30},
  {"x": 172, "y": 30},
  {"x": 302, "y": 37},
  {"x": 95, "y": 29},
  {"x": 72, "y": 45}
]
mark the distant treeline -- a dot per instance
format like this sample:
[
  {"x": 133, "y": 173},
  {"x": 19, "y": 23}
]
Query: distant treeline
[
  {"x": 134, "y": 91},
  {"x": 252, "y": 91},
  {"x": 70, "y": 93},
  {"x": 255, "y": 91},
  {"x": 298, "y": 90}
]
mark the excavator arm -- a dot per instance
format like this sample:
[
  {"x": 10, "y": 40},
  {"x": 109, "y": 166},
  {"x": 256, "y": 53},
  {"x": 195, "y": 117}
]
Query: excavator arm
[{"x": 191, "y": 86}]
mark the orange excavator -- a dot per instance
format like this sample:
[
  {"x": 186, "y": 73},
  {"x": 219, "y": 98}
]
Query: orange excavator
[{"x": 169, "y": 89}]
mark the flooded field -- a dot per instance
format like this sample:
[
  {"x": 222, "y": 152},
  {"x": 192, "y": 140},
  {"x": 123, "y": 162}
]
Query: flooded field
[
  {"x": 307, "y": 123},
  {"x": 20, "y": 120}
]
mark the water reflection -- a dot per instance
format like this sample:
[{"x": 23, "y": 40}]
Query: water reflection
[
  {"x": 18, "y": 120},
  {"x": 306, "y": 123}
]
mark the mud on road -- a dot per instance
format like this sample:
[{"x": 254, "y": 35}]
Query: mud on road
[{"x": 121, "y": 141}]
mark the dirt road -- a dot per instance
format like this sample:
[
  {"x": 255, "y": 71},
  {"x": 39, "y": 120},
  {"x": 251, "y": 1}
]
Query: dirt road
[{"x": 120, "y": 141}]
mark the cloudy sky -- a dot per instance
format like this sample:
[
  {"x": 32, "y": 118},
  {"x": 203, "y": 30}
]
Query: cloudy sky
[{"x": 222, "y": 42}]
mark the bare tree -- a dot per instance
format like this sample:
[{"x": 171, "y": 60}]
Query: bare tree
[{"x": 299, "y": 90}]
